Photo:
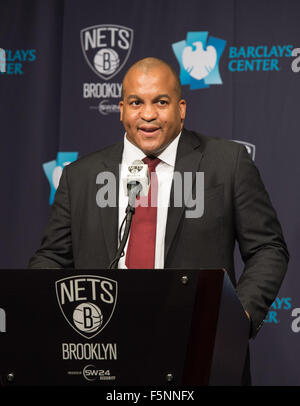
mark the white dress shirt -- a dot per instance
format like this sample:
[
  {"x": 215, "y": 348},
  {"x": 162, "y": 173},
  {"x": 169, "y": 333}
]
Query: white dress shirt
[{"x": 164, "y": 170}]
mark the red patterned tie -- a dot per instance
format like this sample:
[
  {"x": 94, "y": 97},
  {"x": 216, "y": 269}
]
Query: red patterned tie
[{"x": 141, "y": 245}]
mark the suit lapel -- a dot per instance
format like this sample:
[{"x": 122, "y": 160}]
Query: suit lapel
[
  {"x": 110, "y": 215},
  {"x": 188, "y": 159}
]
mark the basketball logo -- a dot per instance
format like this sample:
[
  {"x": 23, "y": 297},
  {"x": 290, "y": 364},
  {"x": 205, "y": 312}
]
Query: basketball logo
[
  {"x": 106, "y": 48},
  {"x": 87, "y": 317},
  {"x": 106, "y": 61},
  {"x": 87, "y": 302}
]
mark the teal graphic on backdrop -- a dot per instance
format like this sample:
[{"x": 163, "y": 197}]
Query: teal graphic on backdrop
[
  {"x": 12, "y": 61},
  {"x": 2, "y": 60},
  {"x": 258, "y": 58},
  {"x": 53, "y": 170},
  {"x": 279, "y": 304},
  {"x": 199, "y": 57}
]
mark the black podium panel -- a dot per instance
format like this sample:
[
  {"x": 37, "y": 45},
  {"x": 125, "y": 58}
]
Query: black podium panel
[{"x": 137, "y": 327}]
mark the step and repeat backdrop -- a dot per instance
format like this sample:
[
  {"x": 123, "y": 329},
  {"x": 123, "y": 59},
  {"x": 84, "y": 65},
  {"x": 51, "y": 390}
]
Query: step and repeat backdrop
[{"x": 61, "y": 69}]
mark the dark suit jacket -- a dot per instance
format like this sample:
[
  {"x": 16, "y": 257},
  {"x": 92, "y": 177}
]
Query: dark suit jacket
[{"x": 236, "y": 208}]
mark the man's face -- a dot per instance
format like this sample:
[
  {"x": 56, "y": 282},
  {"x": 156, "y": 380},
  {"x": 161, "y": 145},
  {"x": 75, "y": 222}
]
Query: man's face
[{"x": 151, "y": 111}]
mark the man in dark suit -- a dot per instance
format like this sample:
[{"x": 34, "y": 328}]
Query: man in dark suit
[{"x": 236, "y": 205}]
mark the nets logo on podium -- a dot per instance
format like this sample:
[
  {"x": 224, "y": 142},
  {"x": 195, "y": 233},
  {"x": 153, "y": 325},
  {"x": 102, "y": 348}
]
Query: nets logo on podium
[{"x": 87, "y": 302}]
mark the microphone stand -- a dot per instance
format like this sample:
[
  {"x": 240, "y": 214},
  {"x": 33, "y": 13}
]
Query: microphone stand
[{"x": 134, "y": 190}]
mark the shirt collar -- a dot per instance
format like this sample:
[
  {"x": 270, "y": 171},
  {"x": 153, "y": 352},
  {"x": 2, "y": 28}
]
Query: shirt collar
[{"x": 132, "y": 152}]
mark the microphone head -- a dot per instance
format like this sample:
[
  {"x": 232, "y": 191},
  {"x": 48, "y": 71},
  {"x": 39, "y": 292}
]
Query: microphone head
[
  {"x": 137, "y": 172},
  {"x": 136, "y": 166}
]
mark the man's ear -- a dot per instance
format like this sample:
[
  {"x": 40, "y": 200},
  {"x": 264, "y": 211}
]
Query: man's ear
[
  {"x": 121, "y": 110},
  {"x": 182, "y": 108}
]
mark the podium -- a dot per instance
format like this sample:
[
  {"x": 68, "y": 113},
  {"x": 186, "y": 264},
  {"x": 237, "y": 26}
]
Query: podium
[{"x": 120, "y": 327}]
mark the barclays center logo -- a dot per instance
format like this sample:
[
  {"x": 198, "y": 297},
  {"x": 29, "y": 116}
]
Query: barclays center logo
[
  {"x": 53, "y": 170},
  {"x": 106, "y": 48},
  {"x": 199, "y": 56},
  {"x": 12, "y": 61}
]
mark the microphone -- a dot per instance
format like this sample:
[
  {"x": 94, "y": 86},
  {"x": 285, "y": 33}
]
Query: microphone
[{"x": 137, "y": 181}]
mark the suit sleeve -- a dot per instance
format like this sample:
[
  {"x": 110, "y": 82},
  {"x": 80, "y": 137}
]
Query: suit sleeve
[
  {"x": 56, "y": 247},
  {"x": 261, "y": 242}
]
